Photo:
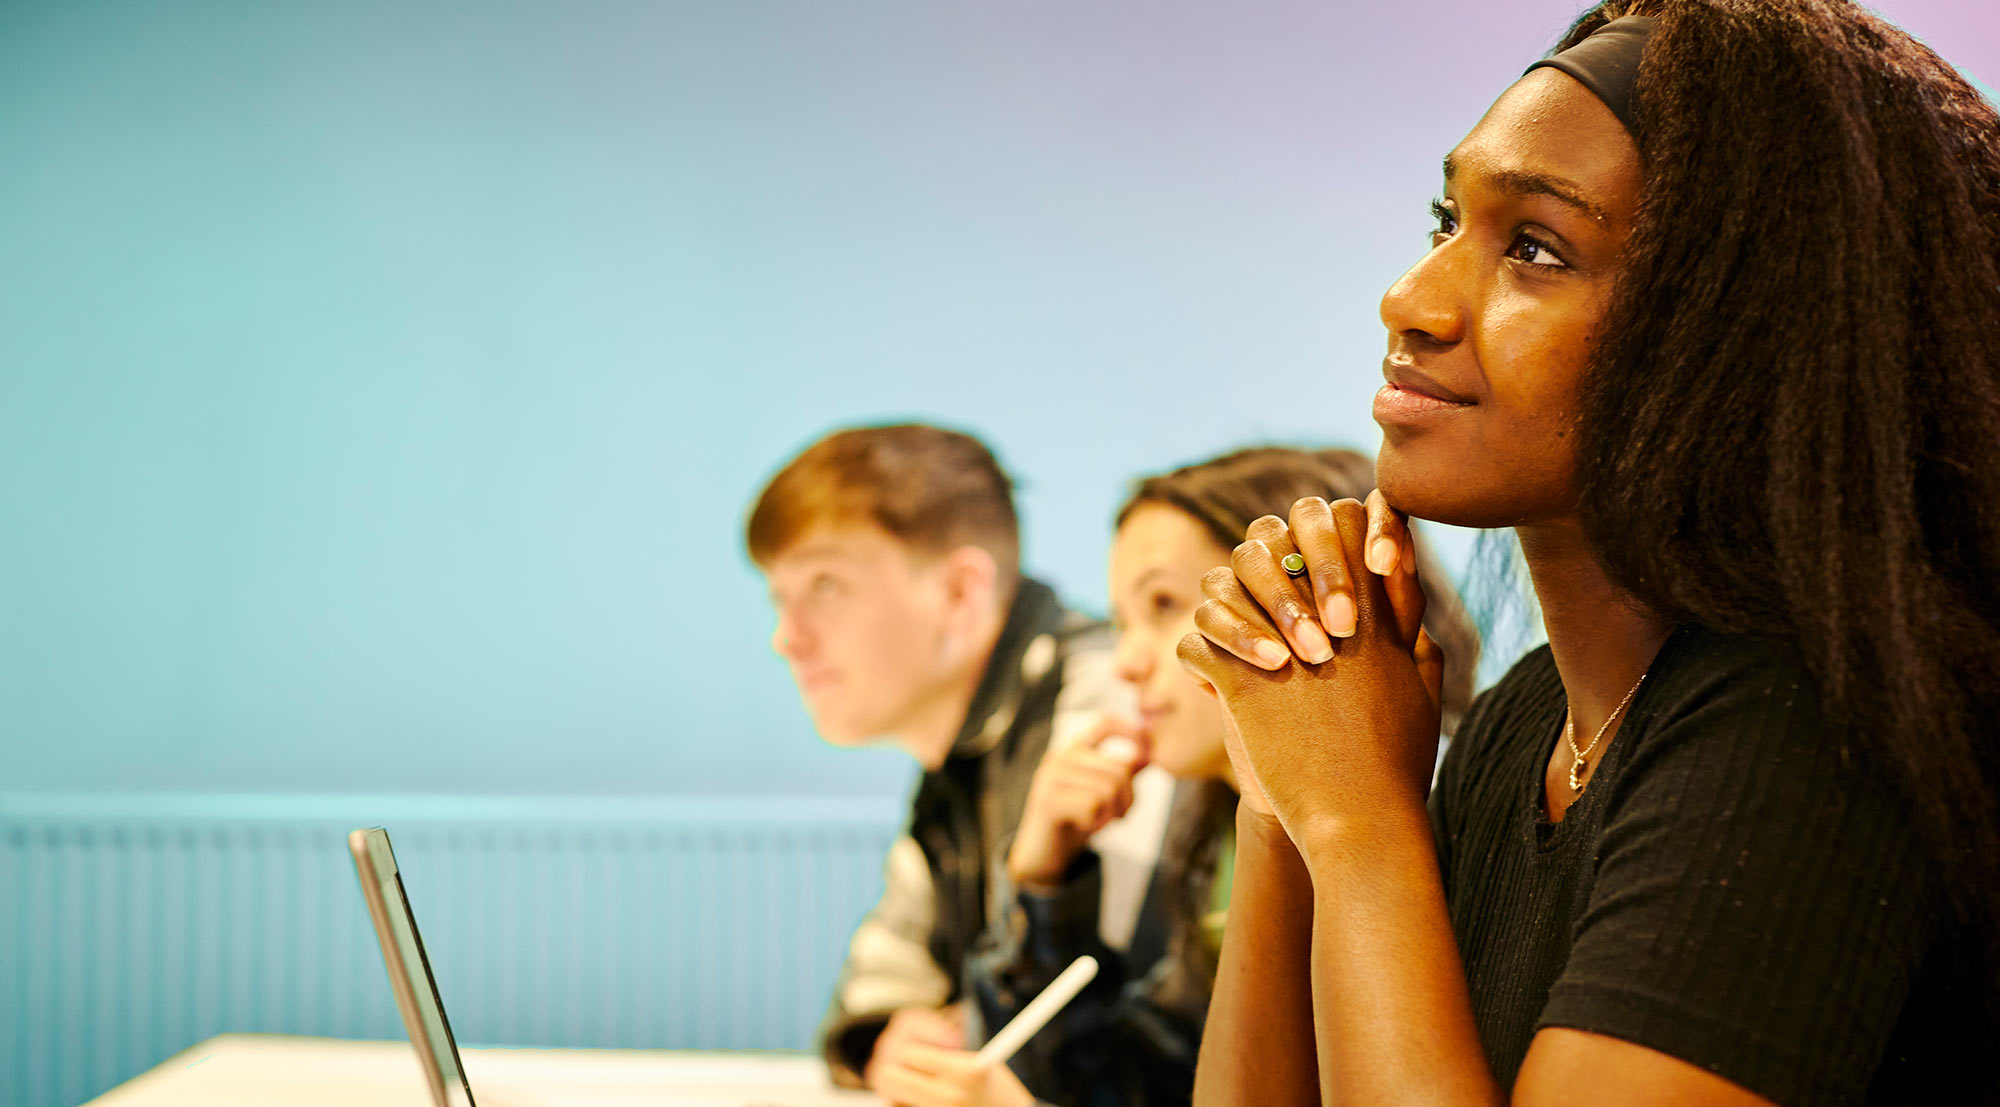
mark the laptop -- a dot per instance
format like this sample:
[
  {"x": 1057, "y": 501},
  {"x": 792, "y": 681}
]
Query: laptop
[{"x": 622, "y": 1078}]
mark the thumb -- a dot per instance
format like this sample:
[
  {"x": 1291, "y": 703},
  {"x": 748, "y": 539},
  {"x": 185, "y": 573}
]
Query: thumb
[
  {"x": 1406, "y": 599},
  {"x": 1089, "y": 728},
  {"x": 1430, "y": 665},
  {"x": 1129, "y": 746}
]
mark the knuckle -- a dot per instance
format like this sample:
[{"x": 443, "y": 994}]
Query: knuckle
[
  {"x": 1308, "y": 510},
  {"x": 1217, "y": 579},
  {"x": 1267, "y": 527},
  {"x": 1333, "y": 571},
  {"x": 1192, "y": 649}
]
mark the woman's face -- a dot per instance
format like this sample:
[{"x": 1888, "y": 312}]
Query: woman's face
[
  {"x": 1157, "y": 559},
  {"x": 1489, "y": 333}
]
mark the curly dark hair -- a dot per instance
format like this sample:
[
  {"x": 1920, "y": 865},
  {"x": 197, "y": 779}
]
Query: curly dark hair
[{"x": 1791, "y": 423}]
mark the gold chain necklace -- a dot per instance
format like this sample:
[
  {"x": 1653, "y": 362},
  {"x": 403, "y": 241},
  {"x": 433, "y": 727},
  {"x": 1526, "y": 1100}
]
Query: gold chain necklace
[{"x": 1569, "y": 735}]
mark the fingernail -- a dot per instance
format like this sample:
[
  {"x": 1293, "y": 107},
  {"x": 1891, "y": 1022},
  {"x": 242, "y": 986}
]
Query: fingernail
[
  {"x": 1313, "y": 645},
  {"x": 1340, "y": 615},
  {"x": 1272, "y": 654},
  {"x": 1382, "y": 555}
]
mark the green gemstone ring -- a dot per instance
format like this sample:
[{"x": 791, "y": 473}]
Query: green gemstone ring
[{"x": 1295, "y": 566}]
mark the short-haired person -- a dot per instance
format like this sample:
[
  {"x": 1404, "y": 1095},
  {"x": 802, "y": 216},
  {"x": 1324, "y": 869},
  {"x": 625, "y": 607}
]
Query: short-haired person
[
  {"x": 1711, "y": 318},
  {"x": 892, "y": 557},
  {"x": 1132, "y": 1036}
]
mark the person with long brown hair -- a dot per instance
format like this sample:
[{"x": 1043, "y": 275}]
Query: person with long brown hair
[
  {"x": 1132, "y": 1037},
  {"x": 1711, "y": 320}
]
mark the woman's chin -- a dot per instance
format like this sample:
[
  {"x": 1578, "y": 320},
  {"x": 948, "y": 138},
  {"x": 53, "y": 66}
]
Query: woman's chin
[
  {"x": 1414, "y": 485},
  {"x": 1468, "y": 485},
  {"x": 1190, "y": 760},
  {"x": 1172, "y": 757},
  {"x": 1166, "y": 761},
  {"x": 1440, "y": 490}
]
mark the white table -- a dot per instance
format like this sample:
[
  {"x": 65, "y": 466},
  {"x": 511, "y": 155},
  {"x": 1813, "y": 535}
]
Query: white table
[{"x": 260, "y": 1069}]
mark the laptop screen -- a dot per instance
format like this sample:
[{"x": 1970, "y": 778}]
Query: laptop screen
[{"x": 403, "y": 949}]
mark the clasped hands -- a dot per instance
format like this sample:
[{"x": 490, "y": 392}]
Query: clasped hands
[{"x": 1329, "y": 684}]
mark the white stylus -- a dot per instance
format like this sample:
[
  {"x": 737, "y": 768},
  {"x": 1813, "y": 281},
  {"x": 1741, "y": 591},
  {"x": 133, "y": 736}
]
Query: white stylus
[{"x": 1038, "y": 1012}]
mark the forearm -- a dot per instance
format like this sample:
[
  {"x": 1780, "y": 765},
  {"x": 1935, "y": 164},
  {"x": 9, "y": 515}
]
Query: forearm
[
  {"x": 889, "y": 965},
  {"x": 1038, "y": 930},
  {"x": 1391, "y": 1009},
  {"x": 1258, "y": 1047}
]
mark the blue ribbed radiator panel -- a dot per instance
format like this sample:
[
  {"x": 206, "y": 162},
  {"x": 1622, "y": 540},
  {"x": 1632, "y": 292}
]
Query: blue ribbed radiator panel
[{"x": 133, "y": 928}]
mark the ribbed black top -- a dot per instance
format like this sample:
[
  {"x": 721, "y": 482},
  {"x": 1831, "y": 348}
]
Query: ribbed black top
[{"x": 1733, "y": 888}]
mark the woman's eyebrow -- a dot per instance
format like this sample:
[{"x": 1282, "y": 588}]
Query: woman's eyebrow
[
  {"x": 1524, "y": 183},
  {"x": 1148, "y": 576}
]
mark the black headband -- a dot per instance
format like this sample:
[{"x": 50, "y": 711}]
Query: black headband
[{"x": 1607, "y": 62}]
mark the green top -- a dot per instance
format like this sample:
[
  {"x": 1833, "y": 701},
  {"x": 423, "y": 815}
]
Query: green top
[{"x": 1218, "y": 897}]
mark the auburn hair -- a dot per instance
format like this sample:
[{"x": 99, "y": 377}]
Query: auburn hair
[{"x": 932, "y": 489}]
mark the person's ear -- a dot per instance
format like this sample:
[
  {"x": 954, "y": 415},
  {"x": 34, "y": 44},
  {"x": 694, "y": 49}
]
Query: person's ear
[{"x": 971, "y": 581}]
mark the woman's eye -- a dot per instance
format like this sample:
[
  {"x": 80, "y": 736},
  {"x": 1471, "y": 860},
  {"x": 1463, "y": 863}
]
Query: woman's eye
[
  {"x": 1447, "y": 223},
  {"x": 1165, "y": 605},
  {"x": 1527, "y": 249},
  {"x": 825, "y": 586}
]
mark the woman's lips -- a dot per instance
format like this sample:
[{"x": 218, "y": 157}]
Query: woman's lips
[{"x": 1396, "y": 403}]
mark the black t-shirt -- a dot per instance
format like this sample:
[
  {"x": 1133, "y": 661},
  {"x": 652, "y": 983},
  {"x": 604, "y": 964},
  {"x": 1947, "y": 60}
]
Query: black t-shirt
[{"x": 1734, "y": 888}]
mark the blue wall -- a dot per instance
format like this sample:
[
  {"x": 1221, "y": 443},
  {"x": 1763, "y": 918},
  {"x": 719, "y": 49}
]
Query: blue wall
[
  {"x": 384, "y": 383},
  {"x": 389, "y": 379}
]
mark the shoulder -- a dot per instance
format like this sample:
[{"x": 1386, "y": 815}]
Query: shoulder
[
  {"x": 1751, "y": 699},
  {"x": 1077, "y": 654},
  {"x": 1047, "y": 657},
  {"x": 1051, "y": 635},
  {"x": 1732, "y": 731},
  {"x": 1698, "y": 667},
  {"x": 1747, "y": 863},
  {"x": 1080, "y": 633},
  {"x": 1734, "y": 739}
]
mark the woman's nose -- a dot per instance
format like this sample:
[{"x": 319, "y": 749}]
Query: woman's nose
[
  {"x": 1132, "y": 661},
  {"x": 1427, "y": 302}
]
